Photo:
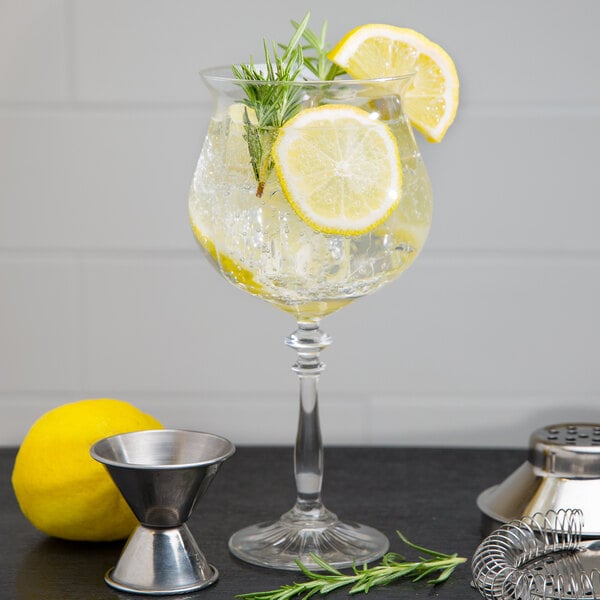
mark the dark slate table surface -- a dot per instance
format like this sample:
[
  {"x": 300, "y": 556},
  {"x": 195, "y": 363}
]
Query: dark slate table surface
[{"x": 427, "y": 493}]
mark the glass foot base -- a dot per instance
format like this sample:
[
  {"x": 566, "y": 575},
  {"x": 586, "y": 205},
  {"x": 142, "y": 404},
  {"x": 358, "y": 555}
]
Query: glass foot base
[{"x": 294, "y": 537}]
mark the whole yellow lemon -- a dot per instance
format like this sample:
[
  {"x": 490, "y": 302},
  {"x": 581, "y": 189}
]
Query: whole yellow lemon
[{"x": 60, "y": 488}]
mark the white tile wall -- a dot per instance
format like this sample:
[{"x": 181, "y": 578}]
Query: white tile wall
[
  {"x": 40, "y": 306},
  {"x": 33, "y": 60},
  {"x": 530, "y": 184},
  {"x": 96, "y": 179},
  {"x": 103, "y": 292}
]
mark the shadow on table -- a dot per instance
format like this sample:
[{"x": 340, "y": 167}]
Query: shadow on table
[{"x": 60, "y": 570}]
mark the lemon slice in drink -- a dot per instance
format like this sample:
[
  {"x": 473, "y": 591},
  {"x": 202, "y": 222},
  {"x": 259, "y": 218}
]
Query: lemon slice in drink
[
  {"x": 431, "y": 99},
  {"x": 338, "y": 168},
  {"x": 230, "y": 269},
  {"x": 239, "y": 113}
]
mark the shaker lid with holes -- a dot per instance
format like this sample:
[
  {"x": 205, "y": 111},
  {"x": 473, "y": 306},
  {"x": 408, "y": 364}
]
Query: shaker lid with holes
[
  {"x": 562, "y": 471},
  {"x": 570, "y": 450}
]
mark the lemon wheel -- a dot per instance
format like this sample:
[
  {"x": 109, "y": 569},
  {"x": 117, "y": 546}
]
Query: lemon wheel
[
  {"x": 374, "y": 51},
  {"x": 339, "y": 168}
]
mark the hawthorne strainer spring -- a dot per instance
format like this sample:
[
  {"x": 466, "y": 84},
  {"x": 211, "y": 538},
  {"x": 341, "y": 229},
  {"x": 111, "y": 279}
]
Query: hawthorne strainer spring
[{"x": 539, "y": 557}]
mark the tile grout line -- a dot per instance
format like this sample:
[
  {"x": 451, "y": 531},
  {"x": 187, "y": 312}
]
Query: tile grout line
[
  {"x": 430, "y": 257},
  {"x": 70, "y": 49},
  {"x": 71, "y": 78},
  {"x": 202, "y": 104},
  {"x": 83, "y": 330},
  {"x": 76, "y": 108}
]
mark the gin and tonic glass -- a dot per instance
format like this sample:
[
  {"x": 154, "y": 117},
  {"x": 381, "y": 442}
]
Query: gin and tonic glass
[{"x": 255, "y": 238}]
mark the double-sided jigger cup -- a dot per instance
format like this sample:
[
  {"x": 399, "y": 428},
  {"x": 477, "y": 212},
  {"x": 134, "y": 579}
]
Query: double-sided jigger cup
[{"x": 161, "y": 474}]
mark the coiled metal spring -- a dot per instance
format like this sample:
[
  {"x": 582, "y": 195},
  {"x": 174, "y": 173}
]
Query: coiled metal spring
[{"x": 537, "y": 557}]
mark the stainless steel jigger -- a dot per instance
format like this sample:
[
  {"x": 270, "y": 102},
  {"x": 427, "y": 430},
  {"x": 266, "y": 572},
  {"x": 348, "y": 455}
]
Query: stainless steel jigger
[{"x": 162, "y": 474}]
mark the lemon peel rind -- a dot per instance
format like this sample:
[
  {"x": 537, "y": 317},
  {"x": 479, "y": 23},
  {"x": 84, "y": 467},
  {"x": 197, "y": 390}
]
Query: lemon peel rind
[
  {"x": 321, "y": 225},
  {"x": 345, "y": 49}
]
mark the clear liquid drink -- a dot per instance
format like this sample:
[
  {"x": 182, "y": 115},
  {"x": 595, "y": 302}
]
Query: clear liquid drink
[{"x": 259, "y": 243}]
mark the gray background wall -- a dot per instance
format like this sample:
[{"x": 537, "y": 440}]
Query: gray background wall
[{"x": 492, "y": 333}]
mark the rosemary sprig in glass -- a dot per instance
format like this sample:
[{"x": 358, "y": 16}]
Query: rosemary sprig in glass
[
  {"x": 319, "y": 65},
  {"x": 271, "y": 100},
  {"x": 436, "y": 566},
  {"x": 272, "y": 104}
]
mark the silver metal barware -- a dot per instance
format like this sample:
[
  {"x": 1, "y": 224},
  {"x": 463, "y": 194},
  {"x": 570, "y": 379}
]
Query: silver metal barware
[
  {"x": 541, "y": 557},
  {"x": 562, "y": 472},
  {"x": 161, "y": 474}
]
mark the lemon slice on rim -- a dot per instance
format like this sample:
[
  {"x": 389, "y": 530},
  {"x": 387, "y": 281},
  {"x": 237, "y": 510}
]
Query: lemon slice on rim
[
  {"x": 431, "y": 99},
  {"x": 338, "y": 168}
]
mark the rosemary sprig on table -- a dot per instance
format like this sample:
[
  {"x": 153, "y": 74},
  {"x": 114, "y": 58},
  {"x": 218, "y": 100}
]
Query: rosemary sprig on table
[
  {"x": 273, "y": 105},
  {"x": 393, "y": 567}
]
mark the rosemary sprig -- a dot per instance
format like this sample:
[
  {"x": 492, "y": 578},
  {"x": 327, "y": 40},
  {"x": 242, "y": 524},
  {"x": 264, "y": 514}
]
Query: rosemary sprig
[
  {"x": 392, "y": 568},
  {"x": 274, "y": 104},
  {"x": 319, "y": 64}
]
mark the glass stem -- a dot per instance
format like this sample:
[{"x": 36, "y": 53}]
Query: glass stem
[{"x": 308, "y": 341}]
